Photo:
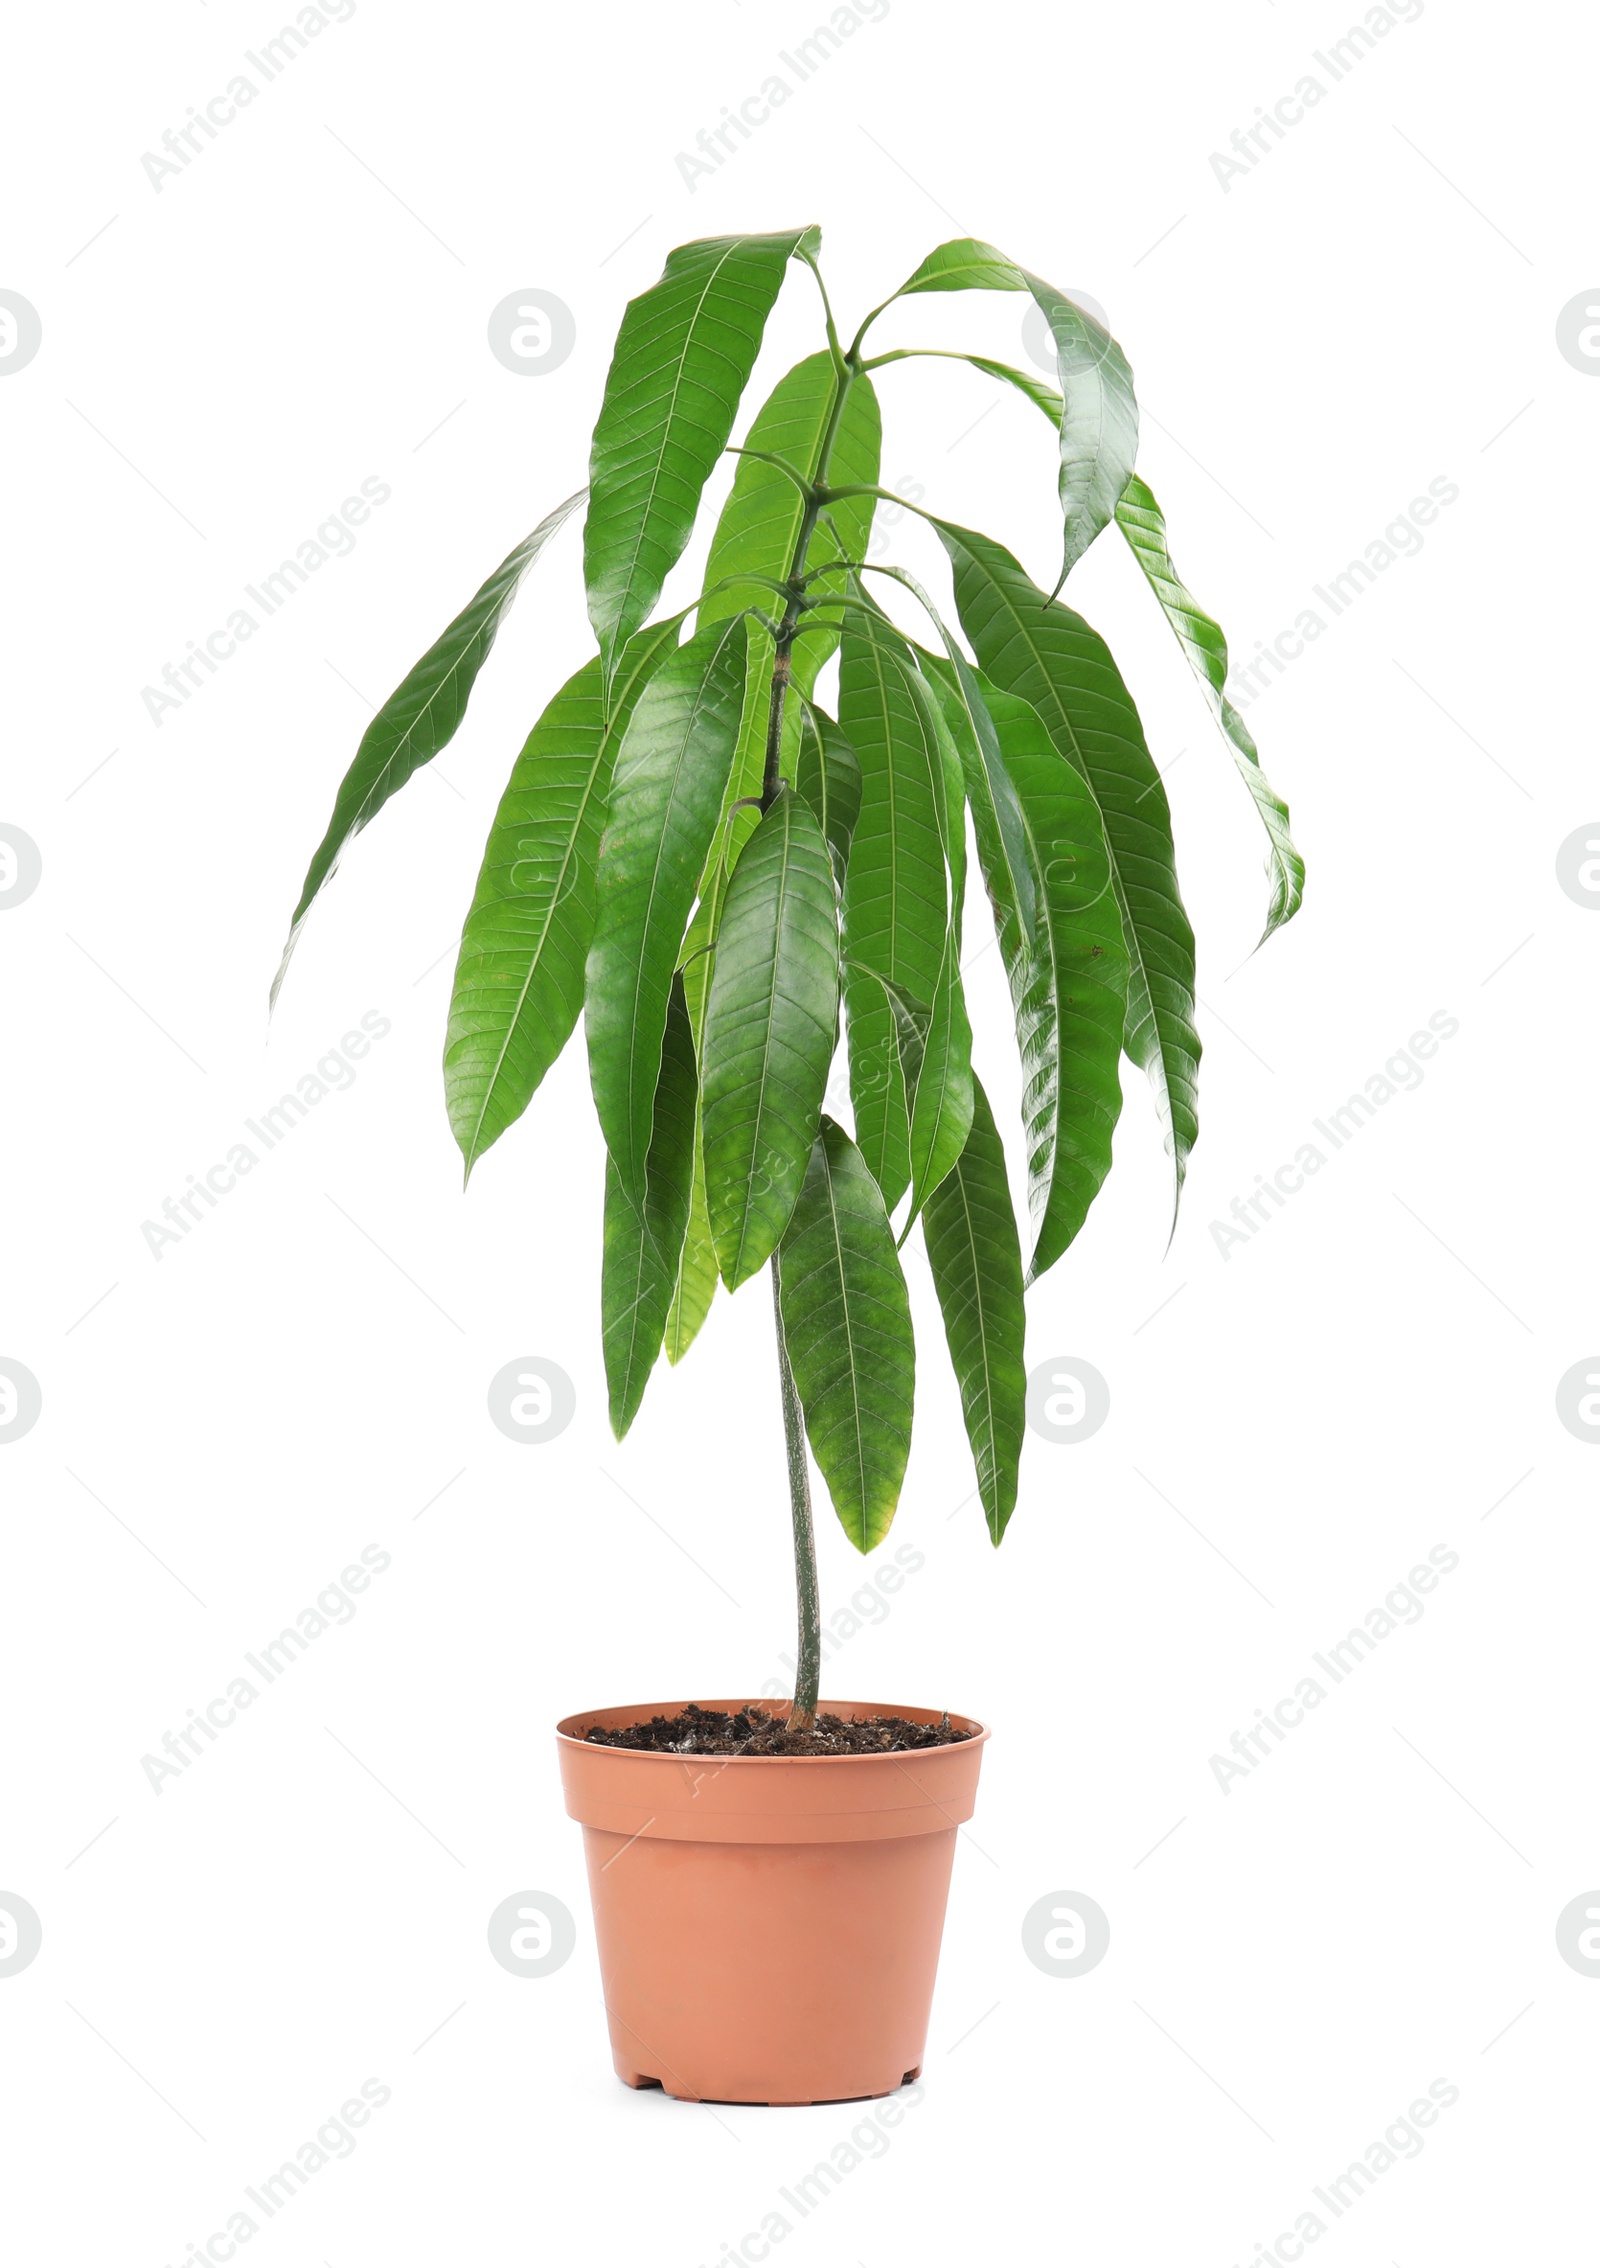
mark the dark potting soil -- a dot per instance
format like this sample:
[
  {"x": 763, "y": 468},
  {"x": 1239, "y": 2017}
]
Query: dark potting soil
[{"x": 753, "y": 1732}]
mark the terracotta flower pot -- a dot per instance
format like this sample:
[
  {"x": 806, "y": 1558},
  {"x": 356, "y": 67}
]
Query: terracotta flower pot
[{"x": 768, "y": 1926}]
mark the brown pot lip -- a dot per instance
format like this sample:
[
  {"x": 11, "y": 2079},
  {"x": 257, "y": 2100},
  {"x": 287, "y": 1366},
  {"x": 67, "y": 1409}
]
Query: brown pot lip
[{"x": 570, "y": 1729}]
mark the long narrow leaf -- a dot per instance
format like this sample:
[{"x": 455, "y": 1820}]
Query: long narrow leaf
[
  {"x": 1068, "y": 976},
  {"x": 666, "y": 791},
  {"x": 971, "y": 1236},
  {"x": 1140, "y": 518},
  {"x": 419, "y": 717},
  {"x": 896, "y": 901},
  {"x": 697, "y": 1282},
  {"x": 847, "y": 1321},
  {"x": 771, "y": 1024},
  {"x": 828, "y": 776},
  {"x": 970, "y": 722},
  {"x": 639, "y": 1269},
  {"x": 755, "y": 537},
  {"x": 1051, "y": 658},
  {"x": 1099, "y": 430},
  {"x": 941, "y": 1108},
  {"x": 519, "y": 977},
  {"x": 683, "y": 355}
]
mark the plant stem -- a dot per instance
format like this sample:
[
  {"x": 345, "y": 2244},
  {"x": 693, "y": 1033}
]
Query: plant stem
[
  {"x": 808, "y": 1651},
  {"x": 808, "y": 1657}
]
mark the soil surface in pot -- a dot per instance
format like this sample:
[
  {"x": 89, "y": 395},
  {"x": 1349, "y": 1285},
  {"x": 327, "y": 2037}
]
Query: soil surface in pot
[{"x": 753, "y": 1732}]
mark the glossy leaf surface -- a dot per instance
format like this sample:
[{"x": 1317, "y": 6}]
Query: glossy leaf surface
[
  {"x": 666, "y": 792},
  {"x": 896, "y": 902},
  {"x": 1050, "y": 657},
  {"x": 971, "y": 1237},
  {"x": 1068, "y": 977},
  {"x": 771, "y": 1023},
  {"x": 1099, "y": 428},
  {"x": 847, "y": 1320},
  {"x": 639, "y": 1268},
  {"x": 519, "y": 976},
  {"x": 682, "y": 359}
]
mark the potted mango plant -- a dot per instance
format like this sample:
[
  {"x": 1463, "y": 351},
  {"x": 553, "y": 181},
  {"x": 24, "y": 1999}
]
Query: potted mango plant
[{"x": 715, "y": 870}]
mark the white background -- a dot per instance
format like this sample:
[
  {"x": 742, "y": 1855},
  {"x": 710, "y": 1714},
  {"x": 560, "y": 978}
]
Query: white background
[{"x": 1292, "y": 1426}]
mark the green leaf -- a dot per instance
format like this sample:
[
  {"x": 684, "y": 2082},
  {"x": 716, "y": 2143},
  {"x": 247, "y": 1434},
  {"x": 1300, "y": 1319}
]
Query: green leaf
[
  {"x": 847, "y": 1321},
  {"x": 828, "y": 776},
  {"x": 1099, "y": 416},
  {"x": 696, "y": 1286},
  {"x": 666, "y": 791},
  {"x": 419, "y": 717},
  {"x": 755, "y": 538},
  {"x": 965, "y": 263},
  {"x": 1051, "y": 658},
  {"x": 1068, "y": 976},
  {"x": 896, "y": 905},
  {"x": 1043, "y": 397},
  {"x": 639, "y": 1268},
  {"x": 683, "y": 356},
  {"x": 941, "y": 1106},
  {"x": 1140, "y": 519},
  {"x": 966, "y": 719},
  {"x": 971, "y": 1236},
  {"x": 770, "y": 1030},
  {"x": 519, "y": 978}
]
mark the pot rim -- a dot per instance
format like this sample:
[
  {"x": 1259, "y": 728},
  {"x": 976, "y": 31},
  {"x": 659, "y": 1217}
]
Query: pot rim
[{"x": 571, "y": 1727}]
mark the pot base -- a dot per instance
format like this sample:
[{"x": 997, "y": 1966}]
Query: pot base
[{"x": 642, "y": 2082}]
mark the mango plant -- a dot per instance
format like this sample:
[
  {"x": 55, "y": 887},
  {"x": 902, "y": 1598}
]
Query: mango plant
[{"x": 715, "y": 870}]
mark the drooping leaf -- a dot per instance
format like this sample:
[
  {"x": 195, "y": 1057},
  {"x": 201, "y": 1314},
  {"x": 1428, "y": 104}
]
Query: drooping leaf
[
  {"x": 1043, "y": 397},
  {"x": 419, "y": 717},
  {"x": 1050, "y": 657},
  {"x": 967, "y": 720},
  {"x": 828, "y": 776},
  {"x": 896, "y": 901},
  {"x": 1068, "y": 976},
  {"x": 1099, "y": 416},
  {"x": 1140, "y": 519},
  {"x": 639, "y": 1269},
  {"x": 519, "y": 977},
  {"x": 941, "y": 1107},
  {"x": 666, "y": 790},
  {"x": 683, "y": 355},
  {"x": 847, "y": 1321},
  {"x": 971, "y": 1236},
  {"x": 771, "y": 1024},
  {"x": 911, "y": 1020},
  {"x": 697, "y": 1282}
]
